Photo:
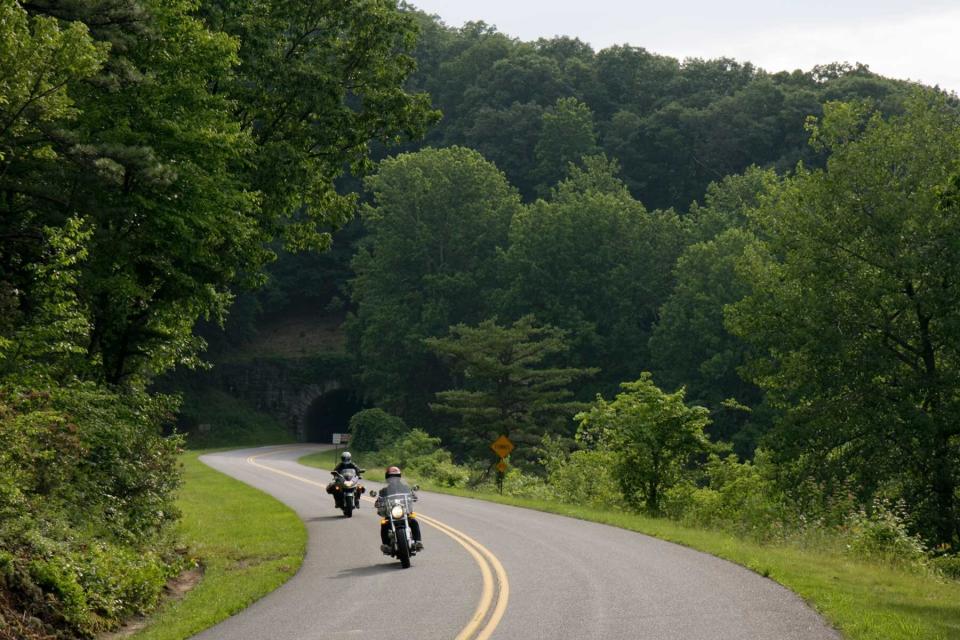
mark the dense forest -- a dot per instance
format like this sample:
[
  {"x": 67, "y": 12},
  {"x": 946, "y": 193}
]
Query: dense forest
[
  {"x": 778, "y": 246},
  {"x": 154, "y": 154},
  {"x": 692, "y": 288}
]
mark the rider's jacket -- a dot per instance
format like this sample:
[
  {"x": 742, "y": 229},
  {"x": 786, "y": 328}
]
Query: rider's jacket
[
  {"x": 346, "y": 465},
  {"x": 394, "y": 485}
]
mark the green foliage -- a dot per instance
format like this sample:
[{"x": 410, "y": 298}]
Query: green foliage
[
  {"x": 948, "y": 566},
  {"x": 591, "y": 262},
  {"x": 39, "y": 58},
  {"x": 210, "y": 418},
  {"x": 675, "y": 126},
  {"x": 509, "y": 385},
  {"x": 852, "y": 311},
  {"x": 315, "y": 84},
  {"x": 690, "y": 344},
  {"x": 86, "y": 487},
  {"x": 375, "y": 429},
  {"x": 586, "y": 477},
  {"x": 566, "y": 136},
  {"x": 742, "y": 498},
  {"x": 187, "y": 136},
  {"x": 439, "y": 217},
  {"x": 882, "y": 533},
  {"x": 419, "y": 455},
  {"x": 46, "y": 341},
  {"x": 653, "y": 435}
]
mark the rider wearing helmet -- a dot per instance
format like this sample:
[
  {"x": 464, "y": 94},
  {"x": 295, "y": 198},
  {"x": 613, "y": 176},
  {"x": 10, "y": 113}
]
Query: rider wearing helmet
[
  {"x": 396, "y": 485},
  {"x": 346, "y": 462}
]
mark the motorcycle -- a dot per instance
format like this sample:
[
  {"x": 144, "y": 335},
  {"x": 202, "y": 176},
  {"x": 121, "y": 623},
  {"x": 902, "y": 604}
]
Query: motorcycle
[
  {"x": 346, "y": 490},
  {"x": 395, "y": 511}
]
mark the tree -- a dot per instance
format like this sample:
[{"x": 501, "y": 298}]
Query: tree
[
  {"x": 592, "y": 261},
  {"x": 39, "y": 61},
  {"x": 315, "y": 84},
  {"x": 508, "y": 137},
  {"x": 853, "y": 309},
  {"x": 438, "y": 220},
  {"x": 567, "y": 135},
  {"x": 653, "y": 435},
  {"x": 690, "y": 345},
  {"x": 187, "y": 149},
  {"x": 375, "y": 429},
  {"x": 510, "y": 386}
]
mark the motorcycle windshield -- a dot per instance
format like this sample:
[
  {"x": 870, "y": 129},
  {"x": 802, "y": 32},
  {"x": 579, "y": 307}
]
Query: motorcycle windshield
[
  {"x": 403, "y": 499},
  {"x": 349, "y": 474}
]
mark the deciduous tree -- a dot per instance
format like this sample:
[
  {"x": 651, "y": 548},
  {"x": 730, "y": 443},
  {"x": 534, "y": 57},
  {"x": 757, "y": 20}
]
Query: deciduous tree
[
  {"x": 653, "y": 436},
  {"x": 854, "y": 308}
]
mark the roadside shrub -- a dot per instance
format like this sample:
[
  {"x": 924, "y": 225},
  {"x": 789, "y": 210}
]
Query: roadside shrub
[
  {"x": 586, "y": 478},
  {"x": 375, "y": 429},
  {"x": 881, "y": 533},
  {"x": 525, "y": 485},
  {"x": 739, "y": 497},
  {"x": 947, "y": 566},
  {"x": 448, "y": 474},
  {"x": 419, "y": 454},
  {"x": 56, "y": 577},
  {"x": 86, "y": 499}
]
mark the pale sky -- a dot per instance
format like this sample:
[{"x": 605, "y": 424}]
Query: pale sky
[{"x": 911, "y": 40}]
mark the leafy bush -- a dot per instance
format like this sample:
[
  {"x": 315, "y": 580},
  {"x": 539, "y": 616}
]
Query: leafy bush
[
  {"x": 86, "y": 500},
  {"x": 421, "y": 455},
  {"x": 881, "y": 532},
  {"x": 947, "y": 566},
  {"x": 525, "y": 485},
  {"x": 375, "y": 429},
  {"x": 586, "y": 478},
  {"x": 738, "y": 497}
]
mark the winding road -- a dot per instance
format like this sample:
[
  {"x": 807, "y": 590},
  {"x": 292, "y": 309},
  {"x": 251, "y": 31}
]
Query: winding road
[{"x": 494, "y": 571}]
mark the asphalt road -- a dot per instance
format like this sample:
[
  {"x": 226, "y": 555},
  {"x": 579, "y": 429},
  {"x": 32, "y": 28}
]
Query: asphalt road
[{"x": 490, "y": 570}]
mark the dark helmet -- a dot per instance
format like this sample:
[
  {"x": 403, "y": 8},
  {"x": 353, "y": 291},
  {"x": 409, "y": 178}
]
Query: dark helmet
[
  {"x": 345, "y": 456},
  {"x": 393, "y": 472}
]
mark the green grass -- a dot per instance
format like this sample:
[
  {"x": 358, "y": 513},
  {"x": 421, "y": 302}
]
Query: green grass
[
  {"x": 248, "y": 543},
  {"x": 864, "y": 600}
]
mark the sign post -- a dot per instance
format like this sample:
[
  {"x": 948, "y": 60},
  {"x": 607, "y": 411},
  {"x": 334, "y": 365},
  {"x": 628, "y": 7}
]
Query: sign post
[
  {"x": 341, "y": 438},
  {"x": 502, "y": 447}
]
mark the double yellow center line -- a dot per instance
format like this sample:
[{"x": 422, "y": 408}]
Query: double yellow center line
[{"x": 495, "y": 592}]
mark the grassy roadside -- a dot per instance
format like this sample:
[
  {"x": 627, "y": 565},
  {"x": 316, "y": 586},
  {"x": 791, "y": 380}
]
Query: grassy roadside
[
  {"x": 865, "y": 601},
  {"x": 248, "y": 543}
]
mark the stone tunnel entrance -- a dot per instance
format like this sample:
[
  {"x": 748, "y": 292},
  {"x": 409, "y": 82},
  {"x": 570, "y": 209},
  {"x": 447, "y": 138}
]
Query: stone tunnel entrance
[{"x": 330, "y": 413}]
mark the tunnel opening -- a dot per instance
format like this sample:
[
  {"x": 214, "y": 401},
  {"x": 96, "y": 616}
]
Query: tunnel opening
[{"x": 330, "y": 414}]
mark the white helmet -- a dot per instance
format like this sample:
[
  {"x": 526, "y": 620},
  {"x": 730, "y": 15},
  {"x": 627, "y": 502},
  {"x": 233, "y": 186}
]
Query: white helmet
[{"x": 345, "y": 456}]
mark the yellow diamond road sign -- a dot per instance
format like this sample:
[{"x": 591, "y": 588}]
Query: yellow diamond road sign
[
  {"x": 502, "y": 466},
  {"x": 502, "y": 446}
]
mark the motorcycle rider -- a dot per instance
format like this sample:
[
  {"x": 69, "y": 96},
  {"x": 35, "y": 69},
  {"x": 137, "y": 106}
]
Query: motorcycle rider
[
  {"x": 346, "y": 462},
  {"x": 396, "y": 485}
]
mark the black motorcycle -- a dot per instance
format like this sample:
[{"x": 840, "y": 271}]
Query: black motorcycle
[
  {"x": 346, "y": 490},
  {"x": 396, "y": 509}
]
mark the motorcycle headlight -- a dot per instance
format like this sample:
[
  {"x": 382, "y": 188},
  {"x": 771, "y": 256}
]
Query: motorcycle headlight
[
  {"x": 349, "y": 484},
  {"x": 396, "y": 512}
]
